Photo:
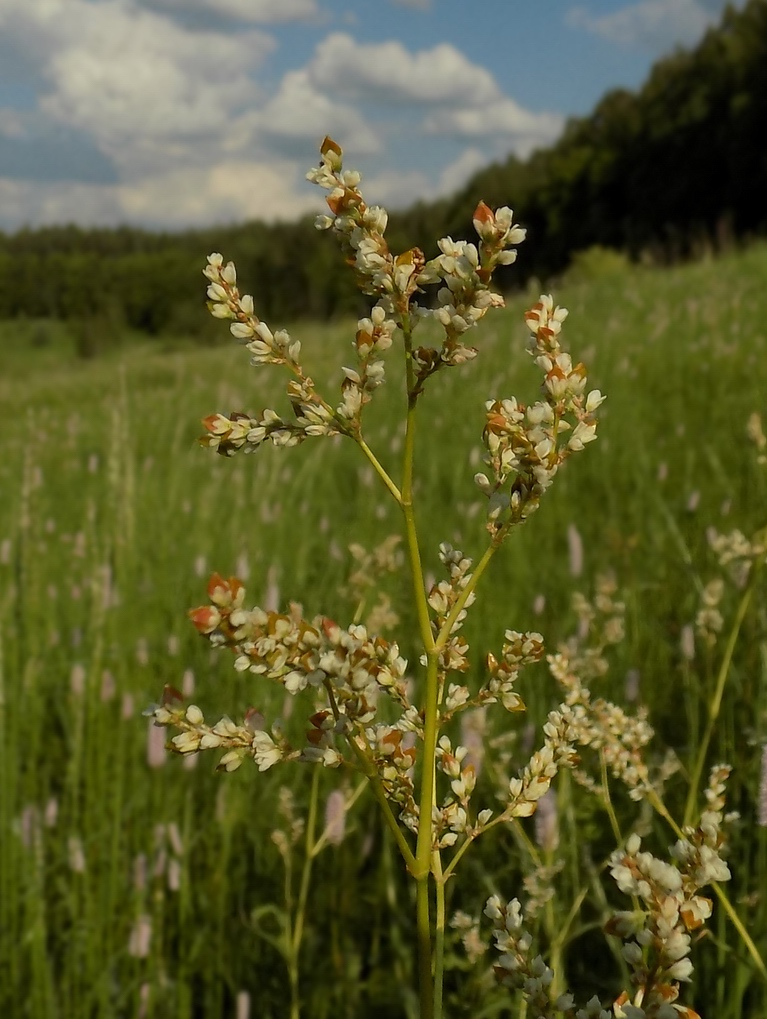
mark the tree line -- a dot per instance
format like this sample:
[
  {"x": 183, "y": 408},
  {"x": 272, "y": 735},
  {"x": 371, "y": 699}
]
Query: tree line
[{"x": 677, "y": 165}]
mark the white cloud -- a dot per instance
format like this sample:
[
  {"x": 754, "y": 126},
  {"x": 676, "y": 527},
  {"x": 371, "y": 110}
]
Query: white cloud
[
  {"x": 257, "y": 11},
  {"x": 503, "y": 119},
  {"x": 228, "y": 192},
  {"x": 129, "y": 76},
  {"x": 397, "y": 189},
  {"x": 457, "y": 173},
  {"x": 655, "y": 25},
  {"x": 172, "y": 109},
  {"x": 25, "y": 203},
  {"x": 464, "y": 99},
  {"x": 299, "y": 115},
  {"x": 388, "y": 73}
]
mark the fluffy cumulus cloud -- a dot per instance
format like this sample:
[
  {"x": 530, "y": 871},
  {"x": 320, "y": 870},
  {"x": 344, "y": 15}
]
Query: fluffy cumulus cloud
[
  {"x": 653, "y": 24},
  {"x": 124, "y": 74},
  {"x": 502, "y": 118},
  {"x": 387, "y": 72},
  {"x": 457, "y": 97},
  {"x": 457, "y": 173},
  {"x": 230, "y": 191},
  {"x": 397, "y": 189},
  {"x": 163, "y": 112},
  {"x": 294, "y": 118}
]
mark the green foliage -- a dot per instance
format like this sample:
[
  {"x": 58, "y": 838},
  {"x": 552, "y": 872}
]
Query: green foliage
[
  {"x": 670, "y": 171},
  {"x": 110, "y": 521},
  {"x": 596, "y": 263}
]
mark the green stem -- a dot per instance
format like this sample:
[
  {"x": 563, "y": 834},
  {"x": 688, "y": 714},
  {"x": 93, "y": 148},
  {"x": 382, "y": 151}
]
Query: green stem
[
  {"x": 456, "y": 857},
  {"x": 608, "y": 803},
  {"x": 737, "y": 923},
  {"x": 502, "y": 818},
  {"x": 289, "y": 956},
  {"x": 369, "y": 771},
  {"x": 423, "y": 921},
  {"x": 716, "y": 703},
  {"x": 426, "y": 798},
  {"x": 411, "y": 536},
  {"x": 391, "y": 821},
  {"x": 423, "y": 853},
  {"x": 439, "y": 933},
  {"x": 380, "y": 470},
  {"x": 309, "y": 854}
]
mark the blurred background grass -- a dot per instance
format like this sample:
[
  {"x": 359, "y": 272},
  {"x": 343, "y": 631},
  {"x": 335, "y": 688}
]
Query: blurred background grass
[{"x": 110, "y": 522}]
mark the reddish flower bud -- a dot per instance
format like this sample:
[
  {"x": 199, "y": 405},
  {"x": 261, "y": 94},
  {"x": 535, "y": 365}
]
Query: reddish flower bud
[
  {"x": 205, "y": 619},
  {"x": 483, "y": 215}
]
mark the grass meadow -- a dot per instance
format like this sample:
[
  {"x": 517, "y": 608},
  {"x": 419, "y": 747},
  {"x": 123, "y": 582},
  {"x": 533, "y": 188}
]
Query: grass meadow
[{"x": 137, "y": 884}]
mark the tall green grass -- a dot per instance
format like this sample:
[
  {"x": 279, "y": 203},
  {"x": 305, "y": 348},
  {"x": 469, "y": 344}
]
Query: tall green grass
[{"x": 111, "y": 519}]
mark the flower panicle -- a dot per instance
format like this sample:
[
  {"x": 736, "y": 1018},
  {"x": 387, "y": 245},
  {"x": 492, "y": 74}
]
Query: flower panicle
[
  {"x": 239, "y": 741},
  {"x": 462, "y": 270},
  {"x": 347, "y": 667},
  {"x": 524, "y": 443},
  {"x": 657, "y": 934}
]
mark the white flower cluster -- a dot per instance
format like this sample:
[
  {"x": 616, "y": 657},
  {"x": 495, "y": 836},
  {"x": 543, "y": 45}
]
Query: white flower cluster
[
  {"x": 373, "y": 337},
  {"x": 657, "y": 935},
  {"x": 463, "y": 269},
  {"x": 352, "y": 666},
  {"x": 525, "y": 441},
  {"x": 519, "y": 650},
  {"x": 313, "y": 415},
  {"x": 452, "y": 818},
  {"x": 598, "y": 724},
  {"x": 361, "y": 230},
  {"x": 738, "y": 555},
  {"x": 520, "y": 970},
  {"x": 557, "y": 751},
  {"x": 239, "y": 741},
  {"x": 393, "y": 754},
  {"x": 442, "y": 598},
  {"x": 225, "y": 302},
  {"x": 709, "y": 620}
]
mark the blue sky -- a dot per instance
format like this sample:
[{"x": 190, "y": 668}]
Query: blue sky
[{"x": 173, "y": 113}]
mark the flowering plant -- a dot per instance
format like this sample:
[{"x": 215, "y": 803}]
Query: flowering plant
[{"x": 375, "y": 715}]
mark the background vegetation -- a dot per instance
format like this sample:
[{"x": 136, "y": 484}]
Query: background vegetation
[
  {"x": 676, "y": 169},
  {"x": 111, "y": 520}
]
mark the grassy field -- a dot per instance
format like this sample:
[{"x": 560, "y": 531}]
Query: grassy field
[{"x": 133, "y": 884}]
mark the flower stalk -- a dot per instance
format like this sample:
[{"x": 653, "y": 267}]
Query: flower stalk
[{"x": 374, "y": 715}]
